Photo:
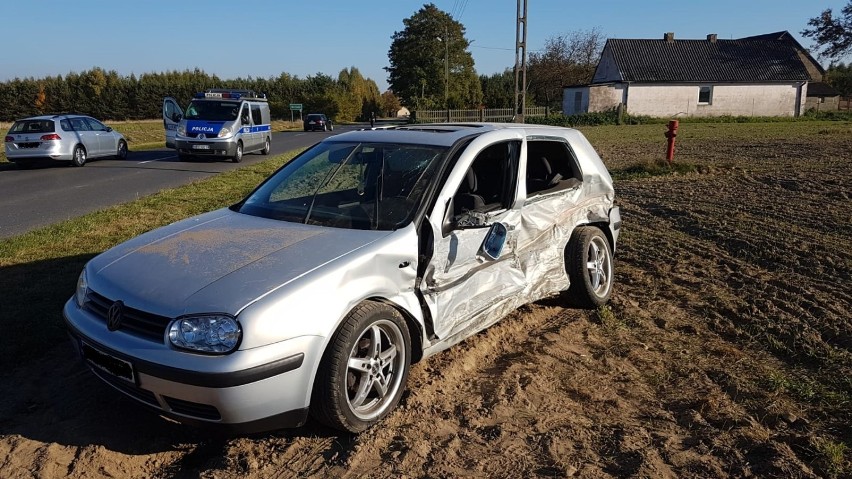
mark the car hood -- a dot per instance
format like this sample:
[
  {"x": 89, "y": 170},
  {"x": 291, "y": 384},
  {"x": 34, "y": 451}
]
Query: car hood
[{"x": 216, "y": 262}]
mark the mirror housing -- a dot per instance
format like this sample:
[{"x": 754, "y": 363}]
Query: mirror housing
[{"x": 495, "y": 239}]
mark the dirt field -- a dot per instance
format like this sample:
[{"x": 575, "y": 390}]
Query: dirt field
[{"x": 725, "y": 353}]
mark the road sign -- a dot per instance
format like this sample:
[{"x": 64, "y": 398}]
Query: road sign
[{"x": 296, "y": 106}]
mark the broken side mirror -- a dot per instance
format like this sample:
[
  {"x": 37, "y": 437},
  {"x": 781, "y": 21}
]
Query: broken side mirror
[{"x": 494, "y": 241}]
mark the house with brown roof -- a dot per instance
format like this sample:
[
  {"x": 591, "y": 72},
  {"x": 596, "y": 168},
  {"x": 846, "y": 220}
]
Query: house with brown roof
[{"x": 764, "y": 75}]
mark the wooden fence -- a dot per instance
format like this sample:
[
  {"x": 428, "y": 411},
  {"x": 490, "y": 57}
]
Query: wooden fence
[
  {"x": 499, "y": 115},
  {"x": 845, "y": 103}
]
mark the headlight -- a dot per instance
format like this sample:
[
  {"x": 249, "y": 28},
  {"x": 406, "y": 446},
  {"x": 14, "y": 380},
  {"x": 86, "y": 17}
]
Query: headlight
[
  {"x": 181, "y": 130},
  {"x": 225, "y": 131},
  {"x": 82, "y": 288},
  {"x": 216, "y": 333}
]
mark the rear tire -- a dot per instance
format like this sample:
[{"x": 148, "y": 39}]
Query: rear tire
[
  {"x": 588, "y": 260},
  {"x": 363, "y": 371},
  {"x": 266, "y": 148},
  {"x": 238, "y": 155},
  {"x": 79, "y": 156}
]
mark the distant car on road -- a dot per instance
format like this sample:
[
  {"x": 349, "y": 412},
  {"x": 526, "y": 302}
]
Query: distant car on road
[
  {"x": 74, "y": 138},
  {"x": 318, "y": 121}
]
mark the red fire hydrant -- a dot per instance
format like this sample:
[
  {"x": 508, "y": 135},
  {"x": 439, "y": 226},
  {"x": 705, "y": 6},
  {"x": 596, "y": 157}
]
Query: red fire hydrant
[{"x": 671, "y": 134}]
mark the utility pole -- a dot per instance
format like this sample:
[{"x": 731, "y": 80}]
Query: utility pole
[
  {"x": 521, "y": 63},
  {"x": 447, "y": 68}
]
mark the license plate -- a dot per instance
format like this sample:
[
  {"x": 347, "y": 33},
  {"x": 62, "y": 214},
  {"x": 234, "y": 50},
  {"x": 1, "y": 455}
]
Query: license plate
[
  {"x": 108, "y": 363},
  {"x": 200, "y": 147}
]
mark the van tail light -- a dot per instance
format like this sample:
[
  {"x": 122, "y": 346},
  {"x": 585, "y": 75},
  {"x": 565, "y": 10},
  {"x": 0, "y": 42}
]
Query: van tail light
[
  {"x": 52, "y": 136},
  {"x": 9, "y": 139}
]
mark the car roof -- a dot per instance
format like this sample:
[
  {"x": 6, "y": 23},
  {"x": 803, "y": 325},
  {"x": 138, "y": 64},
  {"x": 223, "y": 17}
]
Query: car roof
[
  {"x": 441, "y": 134},
  {"x": 53, "y": 117}
]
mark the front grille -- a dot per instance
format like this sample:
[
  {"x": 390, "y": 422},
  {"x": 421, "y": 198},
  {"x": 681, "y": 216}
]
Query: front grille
[
  {"x": 137, "y": 322},
  {"x": 194, "y": 409}
]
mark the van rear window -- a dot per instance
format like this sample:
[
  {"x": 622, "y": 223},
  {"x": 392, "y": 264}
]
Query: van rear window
[{"x": 32, "y": 126}]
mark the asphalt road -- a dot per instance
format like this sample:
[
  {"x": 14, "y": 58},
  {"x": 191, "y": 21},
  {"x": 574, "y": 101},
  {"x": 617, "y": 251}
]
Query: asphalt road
[{"x": 31, "y": 198}]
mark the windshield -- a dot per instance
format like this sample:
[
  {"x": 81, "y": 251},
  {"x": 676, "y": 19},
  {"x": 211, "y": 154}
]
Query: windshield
[
  {"x": 212, "y": 110},
  {"x": 370, "y": 186}
]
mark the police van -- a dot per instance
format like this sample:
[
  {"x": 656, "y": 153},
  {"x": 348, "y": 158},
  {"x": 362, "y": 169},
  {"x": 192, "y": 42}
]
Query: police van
[{"x": 218, "y": 123}]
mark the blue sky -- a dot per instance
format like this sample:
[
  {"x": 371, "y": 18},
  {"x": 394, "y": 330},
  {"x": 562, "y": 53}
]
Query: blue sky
[{"x": 263, "y": 38}]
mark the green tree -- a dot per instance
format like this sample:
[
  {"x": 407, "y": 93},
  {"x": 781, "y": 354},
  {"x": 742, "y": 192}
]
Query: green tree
[
  {"x": 840, "y": 77},
  {"x": 568, "y": 59},
  {"x": 390, "y": 103},
  {"x": 430, "y": 46},
  {"x": 832, "y": 34},
  {"x": 498, "y": 90}
]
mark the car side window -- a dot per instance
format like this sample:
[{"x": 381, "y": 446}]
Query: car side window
[
  {"x": 255, "y": 114},
  {"x": 95, "y": 125},
  {"x": 489, "y": 183},
  {"x": 77, "y": 124},
  {"x": 551, "y": 166},
  {"x": 244, "y": 115},
  {"x": 65, "y": 125}
]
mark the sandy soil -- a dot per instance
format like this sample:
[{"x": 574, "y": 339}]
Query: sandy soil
[{"x": 725, "y": 353}]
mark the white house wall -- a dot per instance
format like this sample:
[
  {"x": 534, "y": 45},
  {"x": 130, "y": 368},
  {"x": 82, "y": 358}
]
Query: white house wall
[
  {"x": 665, "y": 100},
  {"x": 594, "y": 98}
]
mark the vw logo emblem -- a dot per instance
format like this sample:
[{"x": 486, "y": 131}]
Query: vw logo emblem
[
  {"x": 201, "y": 136},
  {"x": 115, "y": 315}
]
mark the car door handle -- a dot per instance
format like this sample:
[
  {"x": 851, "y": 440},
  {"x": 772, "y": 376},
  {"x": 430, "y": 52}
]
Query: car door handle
[{"x": 404, "y": 264}]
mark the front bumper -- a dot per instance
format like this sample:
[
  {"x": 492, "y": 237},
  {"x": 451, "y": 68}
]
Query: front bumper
[
  {"x": 224, "y": 147},
  {"x": 246, "y": 391}
]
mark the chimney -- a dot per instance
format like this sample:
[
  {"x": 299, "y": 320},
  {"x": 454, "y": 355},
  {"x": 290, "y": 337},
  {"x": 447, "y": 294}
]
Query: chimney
[
  {"x": 669, "y": 37},
  {"x": 712, "y": 38}
]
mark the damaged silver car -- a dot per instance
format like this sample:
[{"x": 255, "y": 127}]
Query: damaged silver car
[{"x": 366, "y": 253}]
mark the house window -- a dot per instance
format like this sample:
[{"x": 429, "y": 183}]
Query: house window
[
  {"x": 578, "y": 101},
  {"x": 705, "y": 95}
]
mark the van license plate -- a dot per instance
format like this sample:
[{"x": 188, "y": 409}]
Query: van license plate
[{"x": 200, "y": 147}]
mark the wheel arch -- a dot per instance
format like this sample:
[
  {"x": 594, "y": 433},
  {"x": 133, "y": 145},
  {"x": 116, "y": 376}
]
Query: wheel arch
[{"x": 415, "y": 329}]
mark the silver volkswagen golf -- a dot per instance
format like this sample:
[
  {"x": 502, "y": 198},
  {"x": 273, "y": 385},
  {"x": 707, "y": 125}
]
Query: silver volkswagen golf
[
  {"x": 366, "y": 253},
  {"x": 74, "y": 138}
]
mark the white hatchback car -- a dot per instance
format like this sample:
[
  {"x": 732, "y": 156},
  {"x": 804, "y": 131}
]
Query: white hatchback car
[
  {"x": 74, "y": 138},
  {"x": 369, "y": 251}
]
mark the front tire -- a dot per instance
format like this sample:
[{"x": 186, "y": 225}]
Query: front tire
[
  {"x": 238, "y": 155},
  {"x": 363, "y": 372},
  {"x": 121, "y": 154},
  {"x": 79, "y": 156},
  {"x": 588, "y": 260}
]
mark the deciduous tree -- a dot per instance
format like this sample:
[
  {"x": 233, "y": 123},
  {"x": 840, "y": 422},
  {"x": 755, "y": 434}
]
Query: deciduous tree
[
  {"x": 568, "y": 59},
  {"x": 431, "y": 44},
  {"x": 832, "y": 35}
]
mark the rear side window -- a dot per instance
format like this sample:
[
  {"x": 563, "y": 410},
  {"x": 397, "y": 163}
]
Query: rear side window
[
  {"x": 79, "y": 124},
  {"x": 550, "y": 166},
  {"x": 255, "y": 114},
  {"x": 32, "y": 126}
]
